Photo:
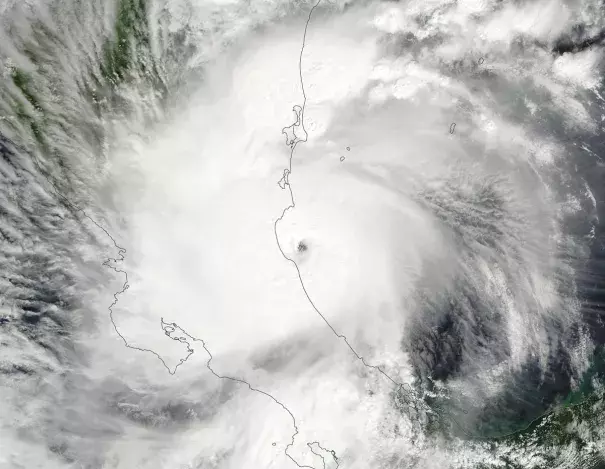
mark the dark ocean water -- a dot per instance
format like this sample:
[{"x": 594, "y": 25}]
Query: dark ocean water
[{"x": 51, "y": 257}]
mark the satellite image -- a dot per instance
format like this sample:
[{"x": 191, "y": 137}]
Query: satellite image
[{"x": 281, "y": 234}]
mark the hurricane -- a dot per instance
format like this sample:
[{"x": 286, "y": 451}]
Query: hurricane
[{"x": 302, "y": 234}]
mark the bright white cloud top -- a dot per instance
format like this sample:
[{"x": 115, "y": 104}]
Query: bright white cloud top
[{"x": 388, "y": 279}]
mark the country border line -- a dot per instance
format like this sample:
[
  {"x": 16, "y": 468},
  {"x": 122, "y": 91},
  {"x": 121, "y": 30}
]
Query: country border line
[
  {"x": 403, "y": 386},
  {"x": 293, "y": 205},
  {"x": 252, "y": 388},
  {"x": 120, "y": 258},
  {"x": 107, "y": 263},
  {"x": 406, "y": 388}
]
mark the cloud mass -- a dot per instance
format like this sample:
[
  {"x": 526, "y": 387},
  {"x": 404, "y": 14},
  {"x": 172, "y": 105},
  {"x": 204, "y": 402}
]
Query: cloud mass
[{"x": 330, "y": 234}]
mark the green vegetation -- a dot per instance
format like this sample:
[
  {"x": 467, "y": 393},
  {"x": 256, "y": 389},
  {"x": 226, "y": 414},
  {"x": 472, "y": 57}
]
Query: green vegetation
[
  {"x": 128, "y": 53},
  {"x": 594, "y": 374},
  {"x": 122, "y": 52},
  {"x": 126, "y": 59},
  {"x": 23, "y": 82},
  {"x": 569, "y": 436},
  {"x": 35, "y": 120}
]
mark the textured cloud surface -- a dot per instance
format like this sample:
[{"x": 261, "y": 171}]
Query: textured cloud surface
[{"x": 222, "y": 249}]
